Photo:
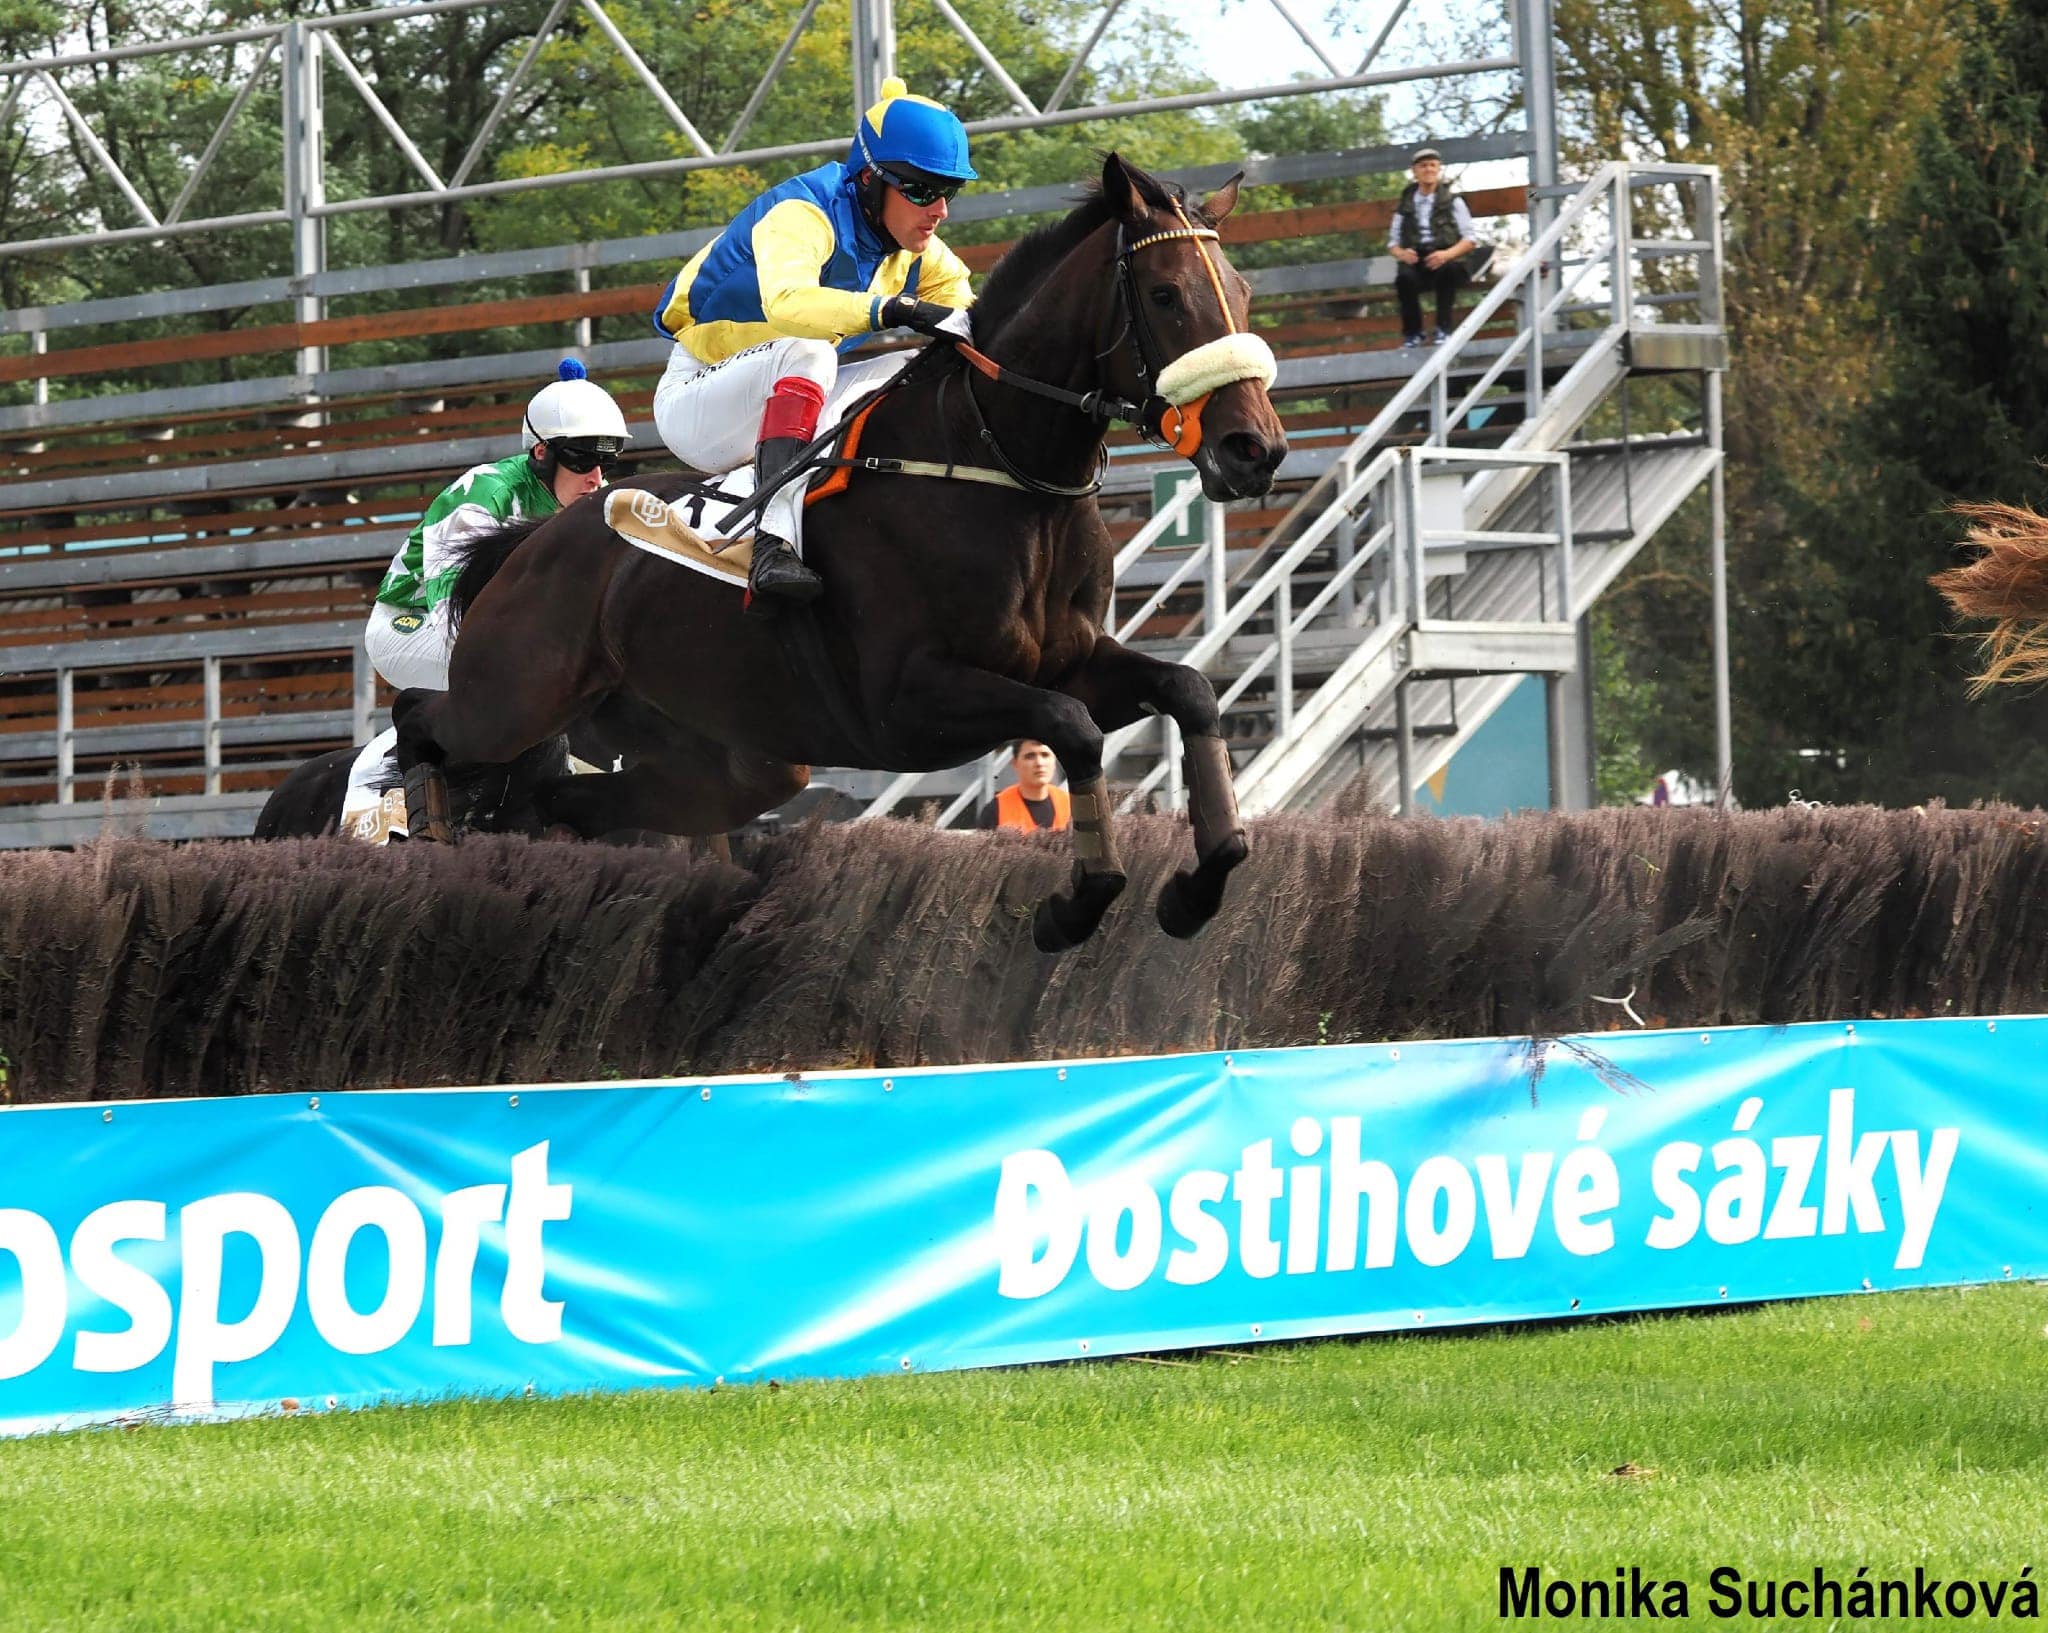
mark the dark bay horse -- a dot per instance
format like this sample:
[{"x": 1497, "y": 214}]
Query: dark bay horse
[
  {"x": 958, "y": 613},
  {"x": 499, "y": 799}
]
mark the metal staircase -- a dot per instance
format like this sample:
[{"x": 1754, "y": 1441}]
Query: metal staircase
[{"x": 1432, "y": 561}]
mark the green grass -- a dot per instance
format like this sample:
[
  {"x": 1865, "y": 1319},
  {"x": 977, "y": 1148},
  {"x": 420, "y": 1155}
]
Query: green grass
[{"x": 1373, "y": 1484}]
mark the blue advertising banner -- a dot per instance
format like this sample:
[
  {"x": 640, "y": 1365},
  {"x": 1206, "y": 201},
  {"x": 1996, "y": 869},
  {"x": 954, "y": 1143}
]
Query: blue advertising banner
[{"x": 221, "y": 1257}]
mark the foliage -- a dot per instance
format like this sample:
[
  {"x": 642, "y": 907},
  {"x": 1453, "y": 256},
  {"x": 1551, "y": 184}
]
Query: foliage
[
  {"x": 1812, "y": 111},
  {"x": 1622, "y": 765},
  {"x": 1867, "y": 668}
]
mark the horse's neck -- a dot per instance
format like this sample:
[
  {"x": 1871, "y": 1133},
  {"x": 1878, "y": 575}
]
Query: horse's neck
[{"x": 1048, "y": 341}]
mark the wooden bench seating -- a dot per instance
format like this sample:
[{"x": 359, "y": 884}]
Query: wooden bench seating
[
  {"x": 120, "y": 560},
  {"x": 126, "y": 701}
]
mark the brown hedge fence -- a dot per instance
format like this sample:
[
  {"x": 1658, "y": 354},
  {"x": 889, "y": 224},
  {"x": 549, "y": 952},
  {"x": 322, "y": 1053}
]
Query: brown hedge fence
[{"x": 134, "y": 969}]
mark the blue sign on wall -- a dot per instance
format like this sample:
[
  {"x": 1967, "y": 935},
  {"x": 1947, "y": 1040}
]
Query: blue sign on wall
[
  {"x": 218, "y": 1257},
  {"x": 1504, "y": 767}
]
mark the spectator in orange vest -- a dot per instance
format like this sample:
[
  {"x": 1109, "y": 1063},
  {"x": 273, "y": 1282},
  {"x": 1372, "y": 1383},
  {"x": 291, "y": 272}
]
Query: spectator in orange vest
[{"x": 1033, "y": 804}]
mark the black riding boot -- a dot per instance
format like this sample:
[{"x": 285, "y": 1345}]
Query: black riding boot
[{"x": 778, "y": 573}]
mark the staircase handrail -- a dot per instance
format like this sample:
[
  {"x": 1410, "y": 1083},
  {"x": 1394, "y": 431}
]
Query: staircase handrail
[
  {"x": 1335, "y": 491},
  {"x": 1529, "y": 266}
]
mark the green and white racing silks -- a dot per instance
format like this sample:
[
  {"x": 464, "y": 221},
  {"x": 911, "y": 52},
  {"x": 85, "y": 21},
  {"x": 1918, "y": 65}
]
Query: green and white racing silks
[{"x": 423, "y": 572}]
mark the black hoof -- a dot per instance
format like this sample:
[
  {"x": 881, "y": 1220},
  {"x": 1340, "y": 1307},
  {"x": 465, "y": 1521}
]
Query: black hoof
[
  {"x": 1190, "y": 899},
  {"x": 1179, "y": 916},
  {"x": 1066, "y": 921},
  {"x": 1048, "y": 935}
]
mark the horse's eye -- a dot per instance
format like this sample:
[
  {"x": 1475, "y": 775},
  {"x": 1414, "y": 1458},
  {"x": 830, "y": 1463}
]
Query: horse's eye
[{"x": 1165, "y": 297}]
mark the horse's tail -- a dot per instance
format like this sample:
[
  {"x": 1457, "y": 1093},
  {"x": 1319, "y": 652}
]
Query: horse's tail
[
  {"x": 2008, "y": 583},
  {"x": 481, "y": 557}
]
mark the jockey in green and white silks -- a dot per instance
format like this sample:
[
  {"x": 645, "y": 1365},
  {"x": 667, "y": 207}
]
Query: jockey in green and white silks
[
  {"x": 573, "y": 432},
  {"x": 761, "y": 313}
]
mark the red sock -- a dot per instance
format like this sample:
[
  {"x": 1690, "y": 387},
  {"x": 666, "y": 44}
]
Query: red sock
[{"x": 793, "y": 408}]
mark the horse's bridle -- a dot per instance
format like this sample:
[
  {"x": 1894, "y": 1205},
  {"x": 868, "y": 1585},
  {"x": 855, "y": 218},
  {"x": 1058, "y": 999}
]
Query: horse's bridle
[{"x": 1175, "y": 391}]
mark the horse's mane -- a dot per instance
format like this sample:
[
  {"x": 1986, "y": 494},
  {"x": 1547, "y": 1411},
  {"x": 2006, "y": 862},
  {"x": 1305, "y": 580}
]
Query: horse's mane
[
  {"x": 481, "y": 557},
  {"x": 1015, "y": 278}
]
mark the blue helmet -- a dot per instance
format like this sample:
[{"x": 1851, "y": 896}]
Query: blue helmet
[{"x": 911, "y": 134}]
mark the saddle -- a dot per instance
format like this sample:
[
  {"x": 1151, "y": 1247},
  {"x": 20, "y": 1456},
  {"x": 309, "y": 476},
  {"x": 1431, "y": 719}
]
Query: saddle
[{"x": 690, "y": 530}]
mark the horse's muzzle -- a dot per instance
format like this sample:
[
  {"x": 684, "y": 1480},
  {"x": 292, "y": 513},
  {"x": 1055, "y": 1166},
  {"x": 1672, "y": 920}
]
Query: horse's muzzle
[{"x": 1238, "y": 465}]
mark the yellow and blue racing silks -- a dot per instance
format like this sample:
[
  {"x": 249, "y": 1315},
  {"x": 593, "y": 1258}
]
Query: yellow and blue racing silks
[{"x": 800, "y": 260}]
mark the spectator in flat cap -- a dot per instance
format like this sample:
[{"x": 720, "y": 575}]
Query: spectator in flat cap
[{"x": 1430, "y": 240}]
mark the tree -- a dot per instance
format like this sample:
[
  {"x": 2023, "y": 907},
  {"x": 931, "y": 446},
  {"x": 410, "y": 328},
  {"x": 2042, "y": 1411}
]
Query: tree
[
  {"x": 1810, "y": 107},
  {"x": 1868, "y": 672},
  {"x": 713, "y": 62}
]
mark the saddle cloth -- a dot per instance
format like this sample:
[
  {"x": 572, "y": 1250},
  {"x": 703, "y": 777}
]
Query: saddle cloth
[
  {"x": 373, "y": 818},
  {"x": 678, "y": 532},
  {"x": 690, "y": 529}
]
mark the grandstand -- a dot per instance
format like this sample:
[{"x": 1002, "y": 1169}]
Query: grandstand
[{"x": 184, "y": 568}]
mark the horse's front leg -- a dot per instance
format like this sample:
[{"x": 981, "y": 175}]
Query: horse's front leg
[
  {"x": 953, "y": 706},
  {"x": 429, "y": 813},
  {"x": 1119, "y": 686}
]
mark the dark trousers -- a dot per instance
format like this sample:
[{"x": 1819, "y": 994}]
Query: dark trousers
[{"x": 1446, "y": 280}]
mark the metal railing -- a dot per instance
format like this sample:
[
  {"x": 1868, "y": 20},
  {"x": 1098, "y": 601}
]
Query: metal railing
[
  {"x": 303, "y": 49},
  {"x": 1327, "y": 597},
  {"x": 1578, "y": 243},
  {"x": 1256, "y": 635},
  {"x": 69, "y": 741}
]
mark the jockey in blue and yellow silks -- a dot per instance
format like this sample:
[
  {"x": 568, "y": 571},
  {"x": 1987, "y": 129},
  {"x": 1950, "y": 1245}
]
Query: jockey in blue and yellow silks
[{"x": 759, "y": 315}]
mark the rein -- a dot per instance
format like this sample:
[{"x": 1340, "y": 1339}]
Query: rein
[
  {"x": 1175, "y": 391},
  {"x": 1031, "y": 484}
]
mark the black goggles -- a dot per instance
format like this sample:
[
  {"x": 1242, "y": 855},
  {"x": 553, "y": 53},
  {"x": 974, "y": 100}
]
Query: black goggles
[
  {"x": 923, "y": 194},
  {"x": 581, "y": 458}
]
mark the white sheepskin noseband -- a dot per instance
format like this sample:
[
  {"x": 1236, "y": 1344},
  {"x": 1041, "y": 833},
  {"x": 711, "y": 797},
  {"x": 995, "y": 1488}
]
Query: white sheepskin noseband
[{"x": 1219, "y": 362}]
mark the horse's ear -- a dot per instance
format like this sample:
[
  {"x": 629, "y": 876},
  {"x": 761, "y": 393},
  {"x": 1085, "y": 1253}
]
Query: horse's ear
[
  {"x": 1221, "y": 202},
  {"x": 1120, "y": 188}
]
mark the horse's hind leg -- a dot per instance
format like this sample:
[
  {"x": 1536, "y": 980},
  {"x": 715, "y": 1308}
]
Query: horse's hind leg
[
  {"x": 527, "y": 661},
  {"x": 1119, "y": 686}
]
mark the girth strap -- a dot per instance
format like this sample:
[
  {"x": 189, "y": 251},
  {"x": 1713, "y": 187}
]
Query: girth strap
[
  {"x": 842, "y": 469},
  {"x": 927, "y": 467}
]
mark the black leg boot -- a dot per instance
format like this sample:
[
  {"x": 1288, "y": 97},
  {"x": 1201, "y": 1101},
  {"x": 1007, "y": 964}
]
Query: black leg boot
[{"x": 778, "y": 573}]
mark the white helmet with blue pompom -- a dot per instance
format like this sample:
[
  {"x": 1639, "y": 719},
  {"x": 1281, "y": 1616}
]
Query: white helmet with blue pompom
[{"x": 573, "y": 405}]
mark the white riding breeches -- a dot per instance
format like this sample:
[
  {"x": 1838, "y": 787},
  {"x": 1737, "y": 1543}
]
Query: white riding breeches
[
  {"x": 709, "y": 414},
  {"x": 410, "y": 649}
]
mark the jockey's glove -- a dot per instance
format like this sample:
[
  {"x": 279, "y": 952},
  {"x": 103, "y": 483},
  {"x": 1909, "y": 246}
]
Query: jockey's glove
[{"x": 926, "y": 317}]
